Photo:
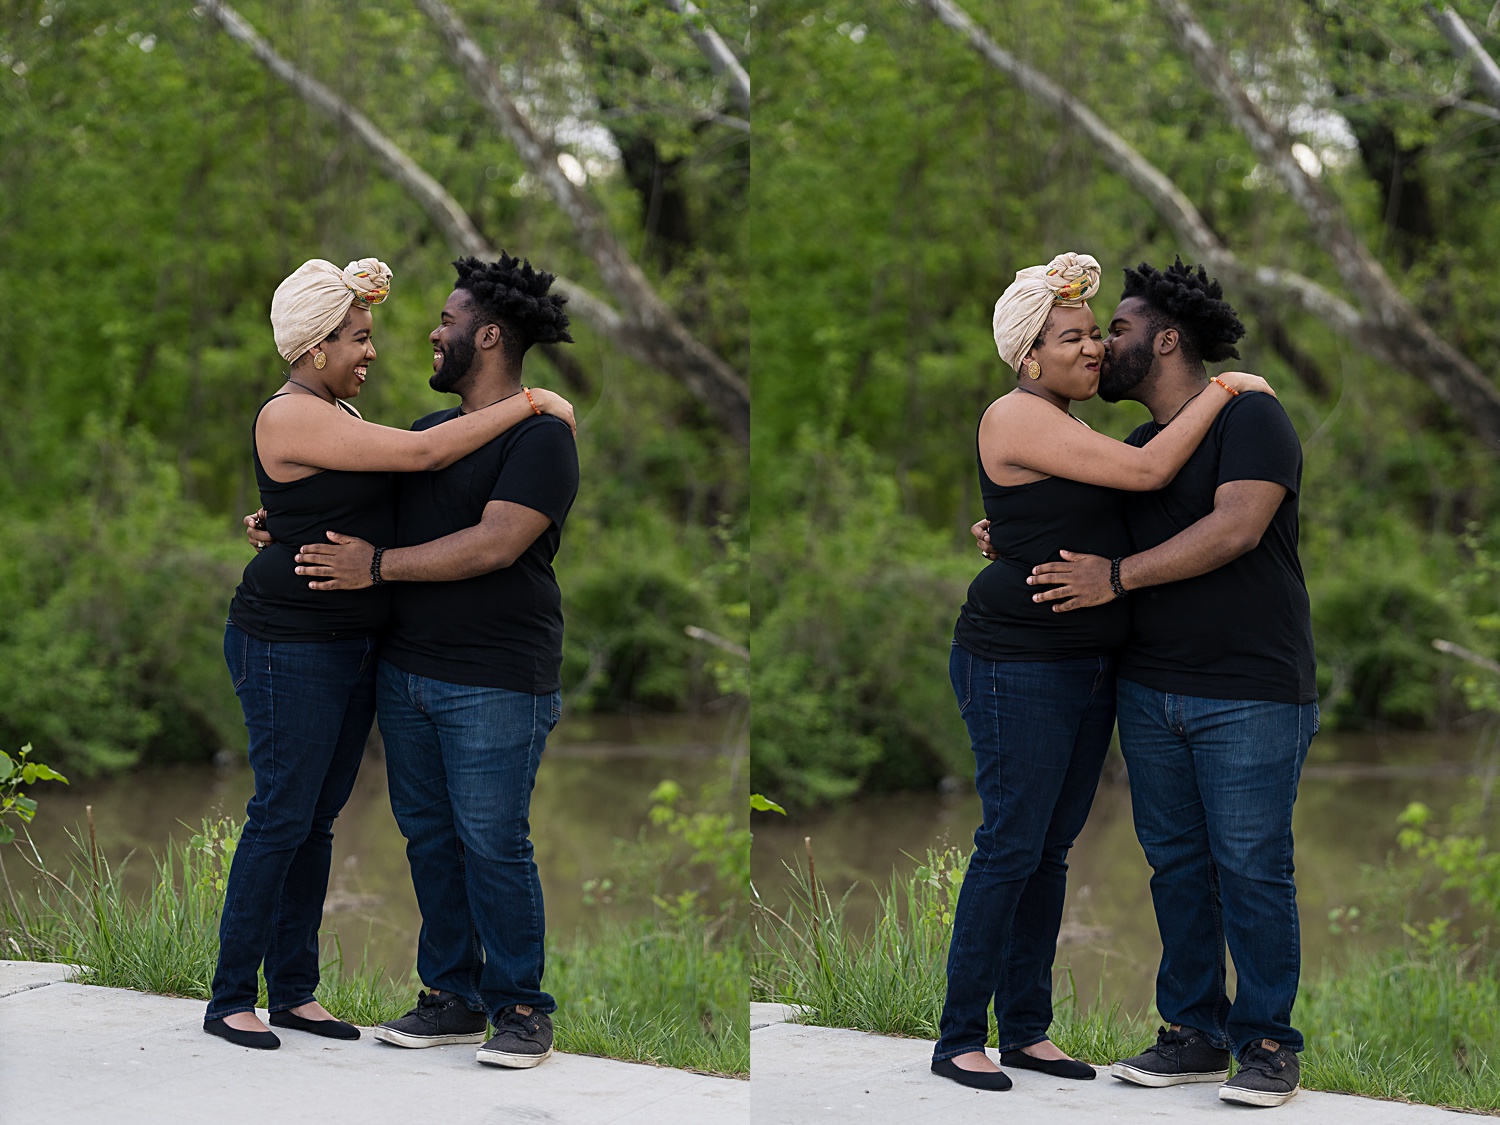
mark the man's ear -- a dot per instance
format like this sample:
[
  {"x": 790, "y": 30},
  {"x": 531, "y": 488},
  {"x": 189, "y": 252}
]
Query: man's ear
[
  {"x": 489, "y": 336},
  {"x": 1166, "y": 341}
]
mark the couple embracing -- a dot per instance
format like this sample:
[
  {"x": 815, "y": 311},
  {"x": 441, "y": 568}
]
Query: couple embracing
[
  {"x": 1155, "y": 582},
  {"x": 409, "y": 570}
]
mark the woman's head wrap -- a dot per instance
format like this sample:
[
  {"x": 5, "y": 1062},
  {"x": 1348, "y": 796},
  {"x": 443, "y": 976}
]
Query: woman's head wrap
[
  {"x": 1022, "y": 310},
  {"x": 314, "y": 301}
]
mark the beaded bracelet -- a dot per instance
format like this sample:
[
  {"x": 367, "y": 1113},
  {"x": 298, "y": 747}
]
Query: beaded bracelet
[
  {"x": 1225, "y": 385},
  {"x": 375, "y": 579},
  {"x": 535, "y": 409},
  {"x": 1114, "y": 578}
]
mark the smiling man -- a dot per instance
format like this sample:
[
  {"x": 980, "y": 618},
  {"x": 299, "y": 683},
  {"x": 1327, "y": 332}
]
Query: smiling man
[
  {"x": 468, "y": 683},
  {"x": 1216, "y": 693}
]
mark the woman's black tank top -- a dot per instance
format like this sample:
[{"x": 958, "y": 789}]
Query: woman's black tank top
[
  {"x": 1030, "y": 524},
  {"x": 273, "y": 602}
]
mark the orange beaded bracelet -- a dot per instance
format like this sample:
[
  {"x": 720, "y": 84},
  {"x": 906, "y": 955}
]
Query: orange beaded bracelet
[
  {"x": 1225, "y": 385},
  {"x": 535, "y": 409}
]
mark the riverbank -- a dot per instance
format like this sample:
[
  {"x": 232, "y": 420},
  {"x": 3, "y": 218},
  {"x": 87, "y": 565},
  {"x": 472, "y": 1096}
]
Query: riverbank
[
  {"x": 78, "y": 1055},
  {"x": 831, "y": 1076},
  {"x": 1416, "y": 1022}
]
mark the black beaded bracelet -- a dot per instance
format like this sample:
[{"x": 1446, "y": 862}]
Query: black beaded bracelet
[
  {"x": 1114, "y": 578},
  {"x": 375, "y": 578}
]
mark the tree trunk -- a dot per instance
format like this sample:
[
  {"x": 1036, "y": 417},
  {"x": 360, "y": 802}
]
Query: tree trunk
[
  {"x": 1406, "y": 343},
  {"x": 654, "y": 325},
  {"x": 654, "y": 343},
  {"x": 1408, "y": 337}
]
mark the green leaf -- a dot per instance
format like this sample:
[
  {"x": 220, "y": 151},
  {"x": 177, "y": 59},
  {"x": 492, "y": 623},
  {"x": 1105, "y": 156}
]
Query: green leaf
[
  {"x": 7, "y": 765},
  {"x": 765, "y": 804},
  {"x": 7, "y": 833}
]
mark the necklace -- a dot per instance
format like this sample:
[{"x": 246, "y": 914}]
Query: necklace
[
  {"x": 497, "y": 402},
  {"x": 304, "y": 386},
  {"x": 1183, "y": 407}
]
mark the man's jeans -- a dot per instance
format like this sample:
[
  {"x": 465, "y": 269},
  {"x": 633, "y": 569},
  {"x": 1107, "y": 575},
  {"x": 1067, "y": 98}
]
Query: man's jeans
[
  {"x": 462, "y": 762},
  {"x": 1212, "y": 782},
  {"x": 308, "y": 708},
  {"x": 1040, "y": 731}
]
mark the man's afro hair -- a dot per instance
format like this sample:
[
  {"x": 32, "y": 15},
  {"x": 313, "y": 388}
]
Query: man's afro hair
[
  {"x": 1192, "y": 303},
  {"x": 512, "y": 293}
]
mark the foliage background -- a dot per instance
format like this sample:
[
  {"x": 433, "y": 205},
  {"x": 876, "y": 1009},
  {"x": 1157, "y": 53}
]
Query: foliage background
[
  {"x": 156, "y": 184},
  {"x": 899, "y": 183}
]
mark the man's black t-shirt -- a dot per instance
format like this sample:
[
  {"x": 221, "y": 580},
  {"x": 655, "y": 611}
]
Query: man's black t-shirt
[
  {"x": 1243, "y": 631},
  {"x": 502, "y": 629}
]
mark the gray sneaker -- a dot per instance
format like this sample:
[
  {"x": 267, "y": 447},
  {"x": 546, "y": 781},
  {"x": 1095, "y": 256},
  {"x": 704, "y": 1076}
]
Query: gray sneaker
[
  {"x": 523, "y": 1037},
  {"x": 435, "y": 1022},
  {"x": 1181, "y": 1054},
  {"x": 1269, "y": 1074}
]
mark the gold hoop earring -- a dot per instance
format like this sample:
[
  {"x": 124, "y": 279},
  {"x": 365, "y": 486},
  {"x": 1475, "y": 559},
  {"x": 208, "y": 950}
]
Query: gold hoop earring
[
  {"x": 320, "y": 361},
  {"x": 1033, "y": 369}
]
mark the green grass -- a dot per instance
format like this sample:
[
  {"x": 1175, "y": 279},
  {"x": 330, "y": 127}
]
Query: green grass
[
  {"x": 1420, "y": 1028},
  {"x": 668, "y": 992}
]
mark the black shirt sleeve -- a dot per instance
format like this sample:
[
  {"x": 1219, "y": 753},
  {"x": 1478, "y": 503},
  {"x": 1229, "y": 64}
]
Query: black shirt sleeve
[
  {"x": 1259, "y": 442},
  {"x": 541, "y": 470}
]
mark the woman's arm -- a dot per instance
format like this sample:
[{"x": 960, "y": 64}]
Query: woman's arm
[
  {"x": 301, "y": 432},
  {"x": 1025, "y": 432}
]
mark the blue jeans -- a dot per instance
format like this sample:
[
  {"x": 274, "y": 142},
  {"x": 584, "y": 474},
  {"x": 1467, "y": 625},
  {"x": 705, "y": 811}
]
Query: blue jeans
[
  {"x": 308, "y": 708},
  {"x": 462, "y": 762},
  {"x": 1040, "y": 731},
  {"x": 1212, "y": 782}
]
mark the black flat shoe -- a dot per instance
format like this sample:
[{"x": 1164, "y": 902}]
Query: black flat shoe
[
  {"x": 329, "y": 1029},
  {"x": 258, "y": 1040},
  {"x": 974, "y": 1079},
  {"x": 1058, "y": 1068}
]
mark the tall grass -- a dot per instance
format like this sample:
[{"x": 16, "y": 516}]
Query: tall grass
[
  {"x": 664, "y": 991},
  {"x": 1415, "y": 1024}
]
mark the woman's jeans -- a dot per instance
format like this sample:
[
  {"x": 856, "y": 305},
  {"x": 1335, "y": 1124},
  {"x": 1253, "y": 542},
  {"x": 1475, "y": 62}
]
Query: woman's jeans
[
  {"x": 308, "y": 707},
  {"x": 1040, "y": 731},
  {"x": 462, "y": 762},
  {"x": 1212, "y": 783}
]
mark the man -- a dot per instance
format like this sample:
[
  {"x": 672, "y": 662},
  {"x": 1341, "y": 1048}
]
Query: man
[
  {"x": 1216, "y": 694},
  {"x": 468, "y": 684}
]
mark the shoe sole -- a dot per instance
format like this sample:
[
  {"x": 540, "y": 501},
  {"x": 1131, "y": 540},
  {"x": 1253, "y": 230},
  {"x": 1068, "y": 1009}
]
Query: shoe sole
[
  {"x": 1147, "y": 1078},
  {"x": 516, "y": 1062},
  {"x": 1253, "y": 1097},
  {"x": 402, "y": 1039}
]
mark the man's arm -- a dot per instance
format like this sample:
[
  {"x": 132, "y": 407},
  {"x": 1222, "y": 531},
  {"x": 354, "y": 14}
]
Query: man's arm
[
  {"x": 499, "y": 538},
  {"x": 1243, "y": 509}
]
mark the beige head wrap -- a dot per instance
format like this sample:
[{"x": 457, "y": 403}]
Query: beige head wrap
[
  {"x": 1068, "y": 280},
  {"x": 314, "y": 301}
]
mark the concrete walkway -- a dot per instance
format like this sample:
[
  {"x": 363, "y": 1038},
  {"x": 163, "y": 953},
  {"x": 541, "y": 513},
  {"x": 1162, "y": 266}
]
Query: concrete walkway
[
  {"x": 77, "y": 1055},
  {"x": 803, "y": 1075}
]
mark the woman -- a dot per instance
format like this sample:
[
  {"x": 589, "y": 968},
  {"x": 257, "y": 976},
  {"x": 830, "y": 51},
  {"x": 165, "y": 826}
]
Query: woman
[
  {"x": 1036, "y": 688},
  {"x": 303, "y": 661}
]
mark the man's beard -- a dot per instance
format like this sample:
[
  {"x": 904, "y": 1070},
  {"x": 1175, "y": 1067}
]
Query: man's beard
[
  {"x": 458, "y": 359},
  {"x": 1124, "y": 372}
]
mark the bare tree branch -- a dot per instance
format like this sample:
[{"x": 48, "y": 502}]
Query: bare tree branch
[
  {"x": 1406, "y": 335},
  {"x": 656, "y": 328},
  {"x": 715, "y": 50},
  {"x": 441, "y": 207},
  {"x": 1467, "y": 47},
  {"x": 1426, "y": 357},
  {"x": 641, "y": 341},
  {"x": 1160, "y": 192}
]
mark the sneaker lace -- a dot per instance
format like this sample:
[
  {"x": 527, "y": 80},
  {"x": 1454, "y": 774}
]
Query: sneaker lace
[
  {"x": 512, "y": 1020},
  {"x": 1258, "y": 1059},
  {"x": 1170, "y": 1041}
]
